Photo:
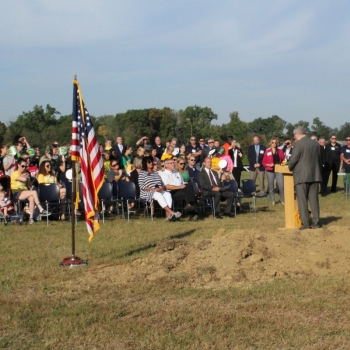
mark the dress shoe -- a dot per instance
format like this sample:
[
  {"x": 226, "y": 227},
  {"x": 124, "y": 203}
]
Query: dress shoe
[
  {"x": 189, "y": 207},
  {"x": 228, "y": 215},
  {"x": 218, "y": 216},
  {"x": 194, "y": 218},
  {"x": 315, "y": 227}
]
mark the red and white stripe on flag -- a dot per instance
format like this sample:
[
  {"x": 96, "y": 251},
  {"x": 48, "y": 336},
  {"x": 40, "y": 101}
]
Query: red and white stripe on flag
[{"x": 85, "y": 149}]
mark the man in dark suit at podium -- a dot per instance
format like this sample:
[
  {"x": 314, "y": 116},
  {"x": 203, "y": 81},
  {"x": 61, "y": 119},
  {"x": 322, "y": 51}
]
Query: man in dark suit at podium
[
  {"x": 307, "y": 175},
  {"x": 255, "y": 156}
]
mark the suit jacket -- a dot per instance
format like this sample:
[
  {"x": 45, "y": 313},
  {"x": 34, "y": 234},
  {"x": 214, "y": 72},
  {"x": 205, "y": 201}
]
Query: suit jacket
[
  {"x": 204, "y": 181},
  {"x": 119, "y": 154},
  {"x": 305, "y": 161},
  {"x": 239, "y": 159},
  {"x": 252, "y": 157},
  {"x": 325, "y": 157},
  {"x": 205, "y": 153}
]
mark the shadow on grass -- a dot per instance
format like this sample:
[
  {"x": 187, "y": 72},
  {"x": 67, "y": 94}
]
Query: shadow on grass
[
  {"x": 182, "y": 235},
  {"x": 329, "y": 219},
  {"x": 153, "y": 245},
  {"x": 140, "y": 249}
]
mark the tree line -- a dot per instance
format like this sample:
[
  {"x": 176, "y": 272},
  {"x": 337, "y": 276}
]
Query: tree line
[{"x": 42, "y": 126}]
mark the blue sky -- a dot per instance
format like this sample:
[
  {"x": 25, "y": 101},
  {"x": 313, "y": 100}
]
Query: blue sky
[{"x": 260, "y": 58}]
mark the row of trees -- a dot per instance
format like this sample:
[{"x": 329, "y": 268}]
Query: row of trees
[{"x": 42, "y": 126}]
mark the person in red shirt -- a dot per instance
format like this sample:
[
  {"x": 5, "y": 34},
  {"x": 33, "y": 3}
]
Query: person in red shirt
[{"x": 272, "y": 156}]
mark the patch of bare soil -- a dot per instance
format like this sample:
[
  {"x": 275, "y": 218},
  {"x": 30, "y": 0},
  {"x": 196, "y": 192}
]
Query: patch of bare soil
[{"x": 238, "y": 257}]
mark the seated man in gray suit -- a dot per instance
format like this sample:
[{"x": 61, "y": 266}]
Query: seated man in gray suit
[
  {"x": 210, "y": 186},
  {"x": 307, "y": 175}
]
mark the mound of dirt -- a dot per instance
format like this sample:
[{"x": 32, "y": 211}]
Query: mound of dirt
[{"x": 238, "y": 257}]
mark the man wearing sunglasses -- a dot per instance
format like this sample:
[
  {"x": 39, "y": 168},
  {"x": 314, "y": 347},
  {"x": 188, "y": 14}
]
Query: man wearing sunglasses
[
  {"x": 191, "y": 168},
  {"x": 206, "y": 150},
  {"x": 195, "y": 150},
  {"x": 334, "y": 149},
  {"x": 174, "y": 183}
]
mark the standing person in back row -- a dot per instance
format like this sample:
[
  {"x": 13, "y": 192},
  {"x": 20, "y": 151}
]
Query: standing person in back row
[
  {"x": 255, "y": 156},
  {"x": 119, "y": 146},
  {"x": 333, "y": 148},
  {"x": 307, "y": 175}
]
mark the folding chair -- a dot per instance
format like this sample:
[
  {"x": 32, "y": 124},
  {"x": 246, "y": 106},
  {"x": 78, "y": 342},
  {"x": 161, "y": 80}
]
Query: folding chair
[
  {"x": 206, "y": 201},
  {"x": 105, "y": 195},
  {"x": 127, "y": 193},
  {"x": 233, "y": 187},
  {"x": 50, "y": 195},
  {"x": 249, "y": 191}
]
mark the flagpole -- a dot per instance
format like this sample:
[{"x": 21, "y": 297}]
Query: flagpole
[{"x": 73, "y": 260}]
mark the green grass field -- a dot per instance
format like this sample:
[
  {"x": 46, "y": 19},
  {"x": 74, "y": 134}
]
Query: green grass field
[{"x": 44, "y": 306}]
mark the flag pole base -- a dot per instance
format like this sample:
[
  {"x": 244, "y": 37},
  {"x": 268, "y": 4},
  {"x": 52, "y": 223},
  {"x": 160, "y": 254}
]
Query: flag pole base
[{"x": 73, "y": 261}]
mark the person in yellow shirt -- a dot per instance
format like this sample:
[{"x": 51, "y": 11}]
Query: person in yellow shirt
[
  {"x": 168, "y": 153},
  {"x": 20, "y": 182},
  {"x": 46, "y": 176}
]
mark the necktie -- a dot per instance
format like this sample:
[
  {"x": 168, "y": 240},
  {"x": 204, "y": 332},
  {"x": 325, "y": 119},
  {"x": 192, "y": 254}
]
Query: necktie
[
  {"x": 212, "y": 180},
  {"x": 257, "y": 153}
]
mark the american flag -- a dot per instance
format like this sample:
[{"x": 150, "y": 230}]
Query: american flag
[{"x": 85, "y": 149}]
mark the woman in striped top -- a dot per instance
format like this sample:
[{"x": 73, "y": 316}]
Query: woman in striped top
[{"x": 152, "y": 188}]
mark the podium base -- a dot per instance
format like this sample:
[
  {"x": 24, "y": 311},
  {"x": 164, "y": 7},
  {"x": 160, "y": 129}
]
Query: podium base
[{"x": 73, "y": 262}]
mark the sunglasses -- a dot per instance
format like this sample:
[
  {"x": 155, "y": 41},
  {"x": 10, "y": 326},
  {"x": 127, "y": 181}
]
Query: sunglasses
[
  {"x": 26, "y": 158},
  {"x": 24, "y": 166},
  {"x": 116, "y": 164},
  {"x": 211, "y": 142},
  {"x": 181, "y": 163},
  {"x": 149, "y": 161},
  {"x": 163, "y": 166},
  {"x": 347, "y": 139},
  {"x": 48, "y": 166}
]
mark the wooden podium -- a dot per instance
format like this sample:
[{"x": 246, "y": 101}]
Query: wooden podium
[{"x": 290, "y": 202}]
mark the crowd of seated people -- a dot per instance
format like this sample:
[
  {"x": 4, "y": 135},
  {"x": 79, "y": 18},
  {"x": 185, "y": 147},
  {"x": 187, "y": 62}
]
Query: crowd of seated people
[{"x": 173, "y": 166}]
